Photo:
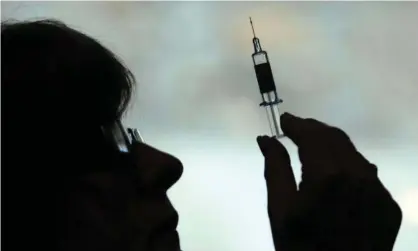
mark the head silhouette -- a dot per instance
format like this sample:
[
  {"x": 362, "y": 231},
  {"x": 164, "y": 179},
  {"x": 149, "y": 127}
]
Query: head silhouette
[
  {"x": 60, "y": 85},
  {"x": 59, "y": 88},
  {"x": 55, "y": 64}
]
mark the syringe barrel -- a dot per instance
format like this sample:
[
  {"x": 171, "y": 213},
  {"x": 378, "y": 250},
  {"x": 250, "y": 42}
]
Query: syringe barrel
[
  {"x": 263, "y": 72},
  {"x": 271, "y": 103}
]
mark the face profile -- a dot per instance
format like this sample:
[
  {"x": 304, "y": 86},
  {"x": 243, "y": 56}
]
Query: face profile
[
  {"x": 134, "y": 199},
  {"x": 86, "y": 193}
]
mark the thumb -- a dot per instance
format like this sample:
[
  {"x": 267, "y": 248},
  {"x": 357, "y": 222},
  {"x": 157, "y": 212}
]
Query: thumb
[{"x": 280, "y": 180}]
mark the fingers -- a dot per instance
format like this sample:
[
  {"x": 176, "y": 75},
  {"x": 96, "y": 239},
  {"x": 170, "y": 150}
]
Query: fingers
[
  {"x": 323, "y": 149},
  {"x": 303, "y": 131},
  {"x": 280, "y": 180}
]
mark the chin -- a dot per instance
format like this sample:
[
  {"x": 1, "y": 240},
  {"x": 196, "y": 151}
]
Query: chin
[{"x": 166, "y": 241}]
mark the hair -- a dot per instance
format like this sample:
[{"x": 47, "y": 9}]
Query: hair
[
  {"x": 59, "y": 87},
  {"x": 63, "y": 68},
  {"x": 62, "y": 84}
]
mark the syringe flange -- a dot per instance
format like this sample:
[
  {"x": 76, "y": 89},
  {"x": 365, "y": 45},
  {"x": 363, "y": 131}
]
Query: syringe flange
[{"x": 275, "y": 102}]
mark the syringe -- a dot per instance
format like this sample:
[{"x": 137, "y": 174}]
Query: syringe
[{"x": 267, "y": 86}]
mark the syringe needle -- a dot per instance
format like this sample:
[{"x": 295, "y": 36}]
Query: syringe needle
[{"x": 252, "y": 26}]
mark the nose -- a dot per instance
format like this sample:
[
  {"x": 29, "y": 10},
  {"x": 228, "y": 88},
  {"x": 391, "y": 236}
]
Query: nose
[{"x": 156, "y": 170}]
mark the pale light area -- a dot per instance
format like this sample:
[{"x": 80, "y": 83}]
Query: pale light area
[
  {"x": 409, "y": 203},
  {"x": 353, "y": 65},
  {"x": 218, "y": 197}
]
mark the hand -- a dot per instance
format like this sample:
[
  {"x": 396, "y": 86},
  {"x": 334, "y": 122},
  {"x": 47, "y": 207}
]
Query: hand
[{"x": 337, "y": 182}]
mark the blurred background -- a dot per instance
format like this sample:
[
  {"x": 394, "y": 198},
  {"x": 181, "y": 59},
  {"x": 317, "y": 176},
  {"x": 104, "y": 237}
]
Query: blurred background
[{"x": 350, "y": 64}]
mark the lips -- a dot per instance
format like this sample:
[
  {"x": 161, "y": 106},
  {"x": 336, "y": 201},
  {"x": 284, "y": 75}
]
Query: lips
[
  {"x": 169, "y": 224},
  {"x": 165, "y": 236}
]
